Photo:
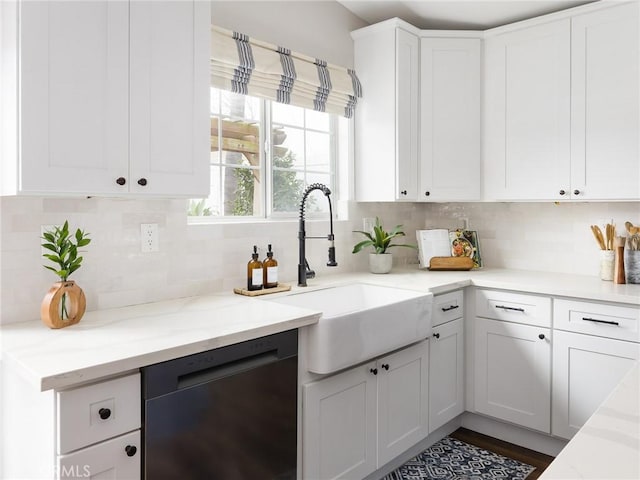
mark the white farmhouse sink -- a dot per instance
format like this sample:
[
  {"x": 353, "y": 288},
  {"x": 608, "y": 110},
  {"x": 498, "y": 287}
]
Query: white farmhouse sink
[{"x": 359, "y": 322}]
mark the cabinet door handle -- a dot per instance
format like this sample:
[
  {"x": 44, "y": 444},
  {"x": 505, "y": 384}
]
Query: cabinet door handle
[
  {"x": 450, "y": 307},
  {"x": 595, "y": 320},
  {"x": 576, "y": 192},
  {"x": 104, "y": 413},
  {"x": 403, "y": 192},
  {"x": 541, "y": 336},
  {"x": 385, "y": 366},
  {"x": 562, "y": 192},
  {"x": 131, "y": 450},
  {"x": 374, "y": 371},
  {"x": 142, "y": 182},
  {"x": 515, "y": 309},
  {"x": 427, "y": 193},
  {"x": 121, "y": 180},
  {"x": 437, "y": 335}
]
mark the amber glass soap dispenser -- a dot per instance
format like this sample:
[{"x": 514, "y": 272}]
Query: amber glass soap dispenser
[
  {"x": 254, "y": 271},
  {"x": 270, "y": 270}
]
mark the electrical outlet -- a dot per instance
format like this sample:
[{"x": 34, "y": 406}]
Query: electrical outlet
[{"x": 149, "y": 237}]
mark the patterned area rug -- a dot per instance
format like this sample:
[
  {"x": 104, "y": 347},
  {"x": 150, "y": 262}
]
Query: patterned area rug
[{"x": 452, "y": 459}]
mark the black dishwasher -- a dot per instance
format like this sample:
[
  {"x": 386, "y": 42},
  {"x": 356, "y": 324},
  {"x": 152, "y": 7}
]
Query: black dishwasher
[{"x": 227, "y": 414}]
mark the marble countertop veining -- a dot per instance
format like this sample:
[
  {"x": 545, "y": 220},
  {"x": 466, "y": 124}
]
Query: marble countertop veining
[{"x": 108, "y": 342}]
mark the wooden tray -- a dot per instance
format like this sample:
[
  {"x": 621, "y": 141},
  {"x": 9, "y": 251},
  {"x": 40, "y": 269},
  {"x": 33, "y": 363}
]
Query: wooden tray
[
  {"x": 451, "y": 263},
  {"x": 283, "y": 287}
]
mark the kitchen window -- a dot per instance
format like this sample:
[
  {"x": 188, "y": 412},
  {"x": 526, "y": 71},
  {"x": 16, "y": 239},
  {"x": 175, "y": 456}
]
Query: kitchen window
[{"x": 264, "y": 154}]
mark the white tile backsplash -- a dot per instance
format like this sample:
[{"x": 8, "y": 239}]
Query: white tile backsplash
[{"x": 201, "y": 259}]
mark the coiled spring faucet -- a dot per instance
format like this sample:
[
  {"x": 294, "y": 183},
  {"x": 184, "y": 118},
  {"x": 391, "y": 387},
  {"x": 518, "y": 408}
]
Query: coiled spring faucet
[{"x": 304, "y": 271}]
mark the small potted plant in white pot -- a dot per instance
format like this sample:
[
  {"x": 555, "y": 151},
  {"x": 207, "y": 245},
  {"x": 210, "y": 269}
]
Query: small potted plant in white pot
[{"x": 381, "y": 261}]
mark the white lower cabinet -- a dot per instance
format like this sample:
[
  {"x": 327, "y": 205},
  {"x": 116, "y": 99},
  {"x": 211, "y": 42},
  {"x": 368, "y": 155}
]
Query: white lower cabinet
[
  {"x": 446, "y": 373},
  {"x": 586, "y": 369},
  {"x": 356, "y": 421},
  {"x": 116, "y": 458},
  {"x": 89, "y": 431},
  {"x": 92, "y": 422},
  {"x": 513, "y": 373}
]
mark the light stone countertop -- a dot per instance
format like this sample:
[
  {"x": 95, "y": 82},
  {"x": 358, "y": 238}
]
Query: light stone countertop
[
  {"x": 113, "y": 341},
  {"x": 608, "y": 445}
]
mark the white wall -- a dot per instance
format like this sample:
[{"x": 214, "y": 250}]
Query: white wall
[{"x": 316, "y": 28}]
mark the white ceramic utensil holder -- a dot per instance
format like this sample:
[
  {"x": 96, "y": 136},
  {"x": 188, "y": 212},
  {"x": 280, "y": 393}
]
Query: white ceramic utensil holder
[{"x": 607, "y": 264}]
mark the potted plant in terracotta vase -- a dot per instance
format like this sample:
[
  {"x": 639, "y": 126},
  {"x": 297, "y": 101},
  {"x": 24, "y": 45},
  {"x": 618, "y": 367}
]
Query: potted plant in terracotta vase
[
  {"x": 381, "y": 261},
  {"x": 65, "y": 302}
]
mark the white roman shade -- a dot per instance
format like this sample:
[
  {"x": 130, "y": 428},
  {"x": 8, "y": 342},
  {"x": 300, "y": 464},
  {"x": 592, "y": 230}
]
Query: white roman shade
[{"x": 244, "y": 65}]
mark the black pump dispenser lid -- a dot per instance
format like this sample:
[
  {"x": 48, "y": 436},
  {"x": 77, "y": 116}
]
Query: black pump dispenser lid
[
  {"x": 254, "y": 255},
  {"x": 269, "y": 252}
]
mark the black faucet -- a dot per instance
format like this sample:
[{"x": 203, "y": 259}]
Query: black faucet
[{"x": 304, "y": 271}]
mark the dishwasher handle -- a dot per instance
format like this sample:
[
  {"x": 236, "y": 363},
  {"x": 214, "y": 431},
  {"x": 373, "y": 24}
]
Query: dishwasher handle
[
  {"x": 166, "y": 377},
  {"x": 226, "y": 370}
]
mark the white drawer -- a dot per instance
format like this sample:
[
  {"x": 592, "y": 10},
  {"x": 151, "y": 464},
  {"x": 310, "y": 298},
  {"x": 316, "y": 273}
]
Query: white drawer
[
  {"x": 80, "y": 412},
  {"x": 604, "y": 320},
  {"x": 514, "y": 307},
  {"x": 116, "y": 458},
  {"x": 447, "y": 307}
]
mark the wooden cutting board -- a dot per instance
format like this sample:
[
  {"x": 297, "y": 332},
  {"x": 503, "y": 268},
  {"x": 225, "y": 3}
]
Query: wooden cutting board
[
  {"x": 451, "y": 263},
  {"x": 283, "y": 287}
]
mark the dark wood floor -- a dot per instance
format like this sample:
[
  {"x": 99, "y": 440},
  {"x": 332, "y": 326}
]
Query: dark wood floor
[{"x": 535, "y": 459}]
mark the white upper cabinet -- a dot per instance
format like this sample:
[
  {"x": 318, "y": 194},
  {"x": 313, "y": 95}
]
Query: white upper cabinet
[
  {"x": 449, "y": 119},
  {"x": 605, "y": 103},
  {"x": 562, "y": 109},
  {"x": 527, "y": 113},
  {"x": 170, "y": 130},
  {"x": 417, "y": 132},
  {"x": 73, "y": 104},
  {"x": 105, "y": 97},
  {"x": 386, "y": 59}
]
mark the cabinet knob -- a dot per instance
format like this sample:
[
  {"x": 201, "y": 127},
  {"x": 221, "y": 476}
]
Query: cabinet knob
[
  {"x": 142, "y": 182},
  {"x": 576, "y": 192},
  {"x": 121, "y": 180},
  {"x": 131, "y": 450},
  {"x": 104, "y": 413},
  {"x": 374, "y": 371},
  {"x": 436, "y": 335},
  {"x": 427, "y": 193},
  {"x": 562, "y": 192},
  {"x": 541, "y": 336},
  {"x": 403, "y": 192},
  {"x": 385, "y": 366}
]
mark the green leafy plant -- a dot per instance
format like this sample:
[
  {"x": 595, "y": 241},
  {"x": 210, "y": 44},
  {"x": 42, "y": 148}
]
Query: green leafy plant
[
  {"x": 198, "y": 208},
  {"x": 380, "y": 239},
  {"x": 65, "y": 251},
  {"x": 65, "y": 255}
]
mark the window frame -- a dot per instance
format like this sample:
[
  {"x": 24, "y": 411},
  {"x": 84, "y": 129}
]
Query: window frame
[{"x": 267, "y": 168}]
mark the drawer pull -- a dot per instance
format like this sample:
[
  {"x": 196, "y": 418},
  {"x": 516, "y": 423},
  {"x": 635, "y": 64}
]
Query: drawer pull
[
  {"x": 541, "y": 336},
  {"x": 437, "y": 335},
  {"x": 515, "y": 309},
  {"x": 608, "y": 322},
  {"x": 451, "y": 307},
  {"x": 104, "y": 413},
  {"x": 385, "y": 366},
  {"x": 131, "y": 450}
]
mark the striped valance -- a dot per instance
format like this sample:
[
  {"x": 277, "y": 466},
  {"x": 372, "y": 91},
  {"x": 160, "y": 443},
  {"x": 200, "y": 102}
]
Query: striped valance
[{"x": 252, "y": 67}]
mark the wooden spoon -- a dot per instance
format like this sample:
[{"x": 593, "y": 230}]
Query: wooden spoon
[{"x": 598, "y": 234}]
